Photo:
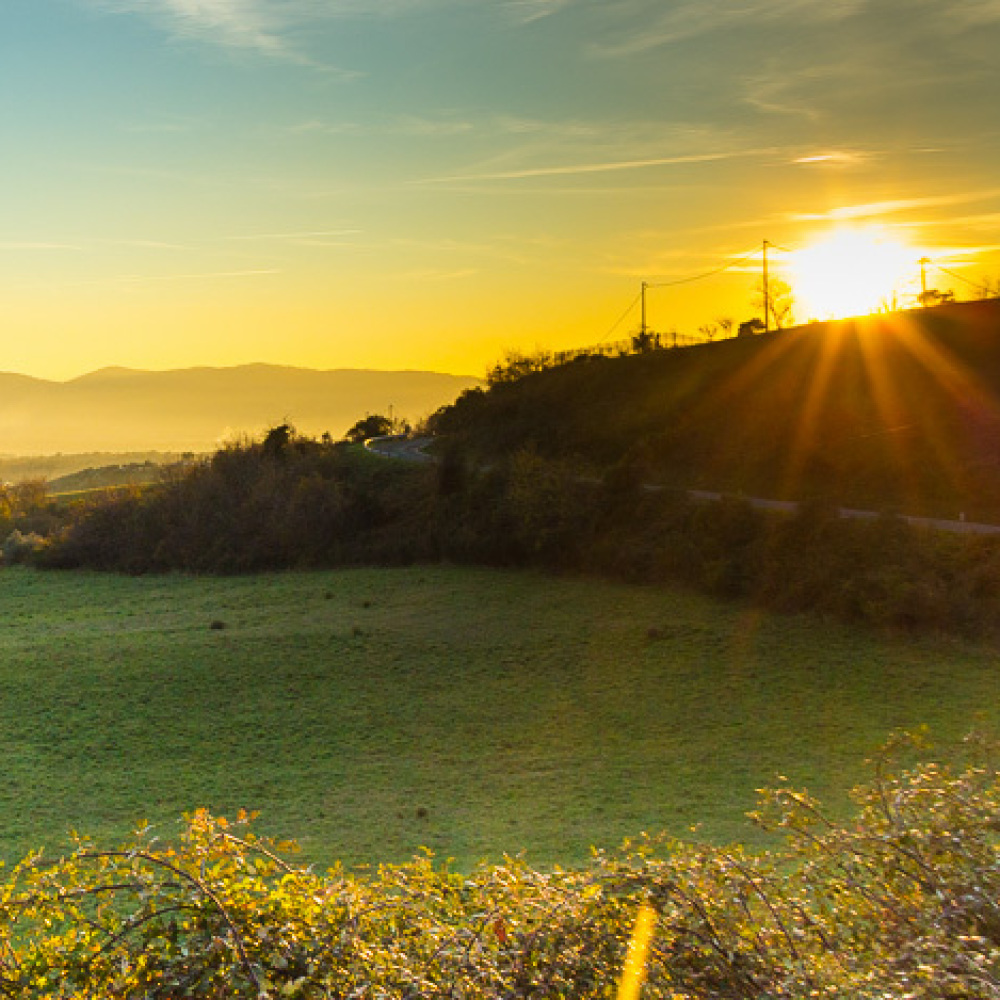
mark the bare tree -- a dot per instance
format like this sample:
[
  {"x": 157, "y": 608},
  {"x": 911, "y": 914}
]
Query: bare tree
[{"x": 779, "y": 302}]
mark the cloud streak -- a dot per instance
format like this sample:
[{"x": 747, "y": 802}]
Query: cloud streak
[
  {"x": 693, "y": 18},
  {"x": 261, "y": 26},
  {"x": 194, "y": 276},
  {"x": 874, "y": 209},
  {"x": 241, "y": 23},
  {"x": 295, "y": 237},
  {"x": 573, "y": 169},
  {"x": 527, "y": 11},
  {"x": 18, "y": 246}
]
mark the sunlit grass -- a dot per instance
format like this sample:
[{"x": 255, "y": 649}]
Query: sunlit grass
[{"x": 369, "y": 712}]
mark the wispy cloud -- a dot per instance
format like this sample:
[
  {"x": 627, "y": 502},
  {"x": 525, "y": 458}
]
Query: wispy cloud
[
  {"x": 412, "y": 125},
  {"x": 780, "y": 91},
  {"x": 198, "y": 275},
  {"x": 450, "y": 122},
  {"x": 653, "y": 27},
  {"x": 295, "y": 237},
  {"x": 875, "y": 209},
  {"x": 243, "y": 23},
  {"x": 987, "y": 221},
  {"x": 261, "y": 26},
  {"x": 527, "y": 11},
  {"x": 571, "y": 169},
  {"x": 432, "y": 274},
  {"x": 834, "y": 158},
  {"x": 964, "y": 256},
  {"x": 971, "y": 13},
  {"x": 144, "y": 244},
  {"x": 17, "y": 245}
]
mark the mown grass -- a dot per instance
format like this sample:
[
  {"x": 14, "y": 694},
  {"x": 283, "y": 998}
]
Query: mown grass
[{"x": 369, "y": 712}]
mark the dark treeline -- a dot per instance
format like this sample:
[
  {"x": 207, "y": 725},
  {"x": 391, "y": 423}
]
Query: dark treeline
[
  {"x": 288, "y": 502},
  {"x": 284, "y": 501}
]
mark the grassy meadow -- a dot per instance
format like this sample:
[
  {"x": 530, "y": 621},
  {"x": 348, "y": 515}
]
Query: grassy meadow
[{"x": 368, "y": 712}]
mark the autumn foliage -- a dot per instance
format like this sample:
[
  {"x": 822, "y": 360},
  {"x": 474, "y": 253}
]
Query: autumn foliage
[{"x": 900, "y": 901}]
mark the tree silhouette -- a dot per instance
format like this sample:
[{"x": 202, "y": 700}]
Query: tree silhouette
[
  {"x": 779, "y": 300},
  {"x": 373, "y": 425}
]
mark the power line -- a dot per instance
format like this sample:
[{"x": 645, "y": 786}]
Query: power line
[
  {"x": 979, "y": 286},
  {"x": 621, "y": 318},
  {"x": 707, "y": 274},
  {"x": 743, "y": 258},
  {"x": 736, "y": 261}
]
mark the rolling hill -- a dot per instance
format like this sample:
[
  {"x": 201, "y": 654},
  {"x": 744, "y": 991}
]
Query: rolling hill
[
  {"x": 894, "y": 411},
  {"x": 195, "y": 409}
]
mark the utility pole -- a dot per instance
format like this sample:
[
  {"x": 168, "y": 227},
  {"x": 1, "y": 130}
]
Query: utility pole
[
  {"x": 767, "y": 292},
  {"x": 642, "y": 331},
  {"x": 924, "y": 261}
]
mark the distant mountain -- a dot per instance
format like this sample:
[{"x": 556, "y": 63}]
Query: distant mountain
[{"x": 194, "y": 409}]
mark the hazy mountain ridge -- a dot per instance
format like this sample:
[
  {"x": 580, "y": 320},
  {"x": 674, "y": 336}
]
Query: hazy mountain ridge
[{"x": 193, "y": 409}]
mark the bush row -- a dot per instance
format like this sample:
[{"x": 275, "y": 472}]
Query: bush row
[
  {"x": 293, "y": 502},
  {"x": 899, "y": 902}
]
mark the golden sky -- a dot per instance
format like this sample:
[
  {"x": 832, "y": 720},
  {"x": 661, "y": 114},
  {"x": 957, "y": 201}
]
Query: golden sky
[{"x": 427, "y": 183}]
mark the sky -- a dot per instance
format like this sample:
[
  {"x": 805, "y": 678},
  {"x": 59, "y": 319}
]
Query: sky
[{"x": 428, "y": 184}]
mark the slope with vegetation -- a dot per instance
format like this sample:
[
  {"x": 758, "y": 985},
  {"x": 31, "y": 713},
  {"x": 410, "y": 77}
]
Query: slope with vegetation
[{"x": 898, "y": 411}]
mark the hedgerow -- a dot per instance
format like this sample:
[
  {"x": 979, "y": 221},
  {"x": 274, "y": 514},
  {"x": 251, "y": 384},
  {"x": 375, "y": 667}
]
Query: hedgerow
[
  {"x": 901, "y": 901},
  {"x": 294, "y": 502}
]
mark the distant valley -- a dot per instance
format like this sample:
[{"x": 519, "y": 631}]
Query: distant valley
[{"x": 196, "y": 409}]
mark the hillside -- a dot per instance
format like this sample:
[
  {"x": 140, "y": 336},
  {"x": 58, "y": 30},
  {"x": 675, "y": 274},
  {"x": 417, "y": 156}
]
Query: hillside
[
  {"x": 897, "y": 411},
  {"x": 118, "y": 409}
]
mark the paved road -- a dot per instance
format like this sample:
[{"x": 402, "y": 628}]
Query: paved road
[
  {"x": 961, "y": 527},
  {"x": 401, "y": 446},
  {"x": 414, "y": 450}
]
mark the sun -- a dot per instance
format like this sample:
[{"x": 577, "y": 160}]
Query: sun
[{"x": 850, "y": 272}]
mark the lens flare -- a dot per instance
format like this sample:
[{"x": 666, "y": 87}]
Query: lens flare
[{"x": 851, "y": 272}]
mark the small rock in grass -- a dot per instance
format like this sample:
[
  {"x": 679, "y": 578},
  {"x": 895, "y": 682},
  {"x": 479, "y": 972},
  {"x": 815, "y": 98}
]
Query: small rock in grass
[
  {"x": 217, "y": 625},
  {"x": 655, "y": 633}
]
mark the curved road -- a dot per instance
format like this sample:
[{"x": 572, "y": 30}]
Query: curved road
[
  {"x": 414, "y": 450},
  {"x": 961, "y": 527},
  {"x": 400, "y": 446}
]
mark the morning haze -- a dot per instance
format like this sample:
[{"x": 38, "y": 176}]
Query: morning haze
[{"x": 198, "y": 409}]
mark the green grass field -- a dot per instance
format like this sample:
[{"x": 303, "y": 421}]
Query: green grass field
[{"x": 368, "y": 712}]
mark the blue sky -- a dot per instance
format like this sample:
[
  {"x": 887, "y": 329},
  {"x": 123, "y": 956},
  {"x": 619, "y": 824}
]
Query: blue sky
[{"x": 426, "y": 183}]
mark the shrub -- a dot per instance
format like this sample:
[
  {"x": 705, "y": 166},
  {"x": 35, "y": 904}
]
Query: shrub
[
  {"x": 901, "y": 901},
  {"x": 18, "y": 547},
  {"x": 291, "y": 502}
]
